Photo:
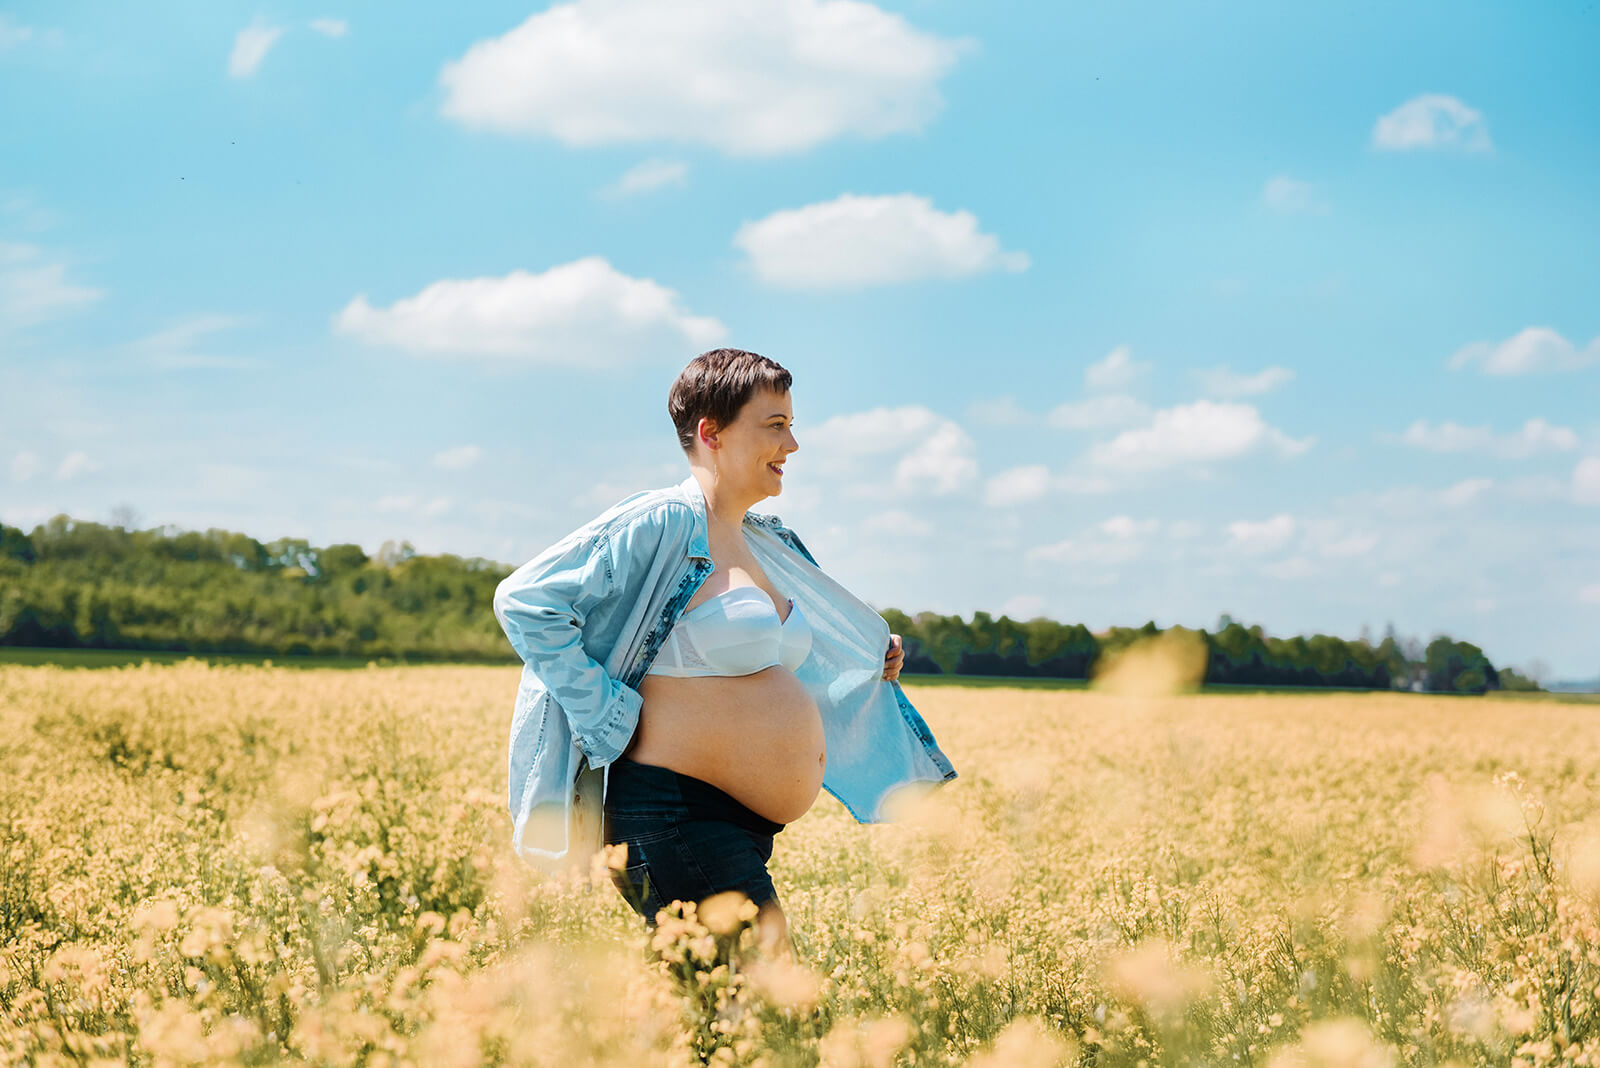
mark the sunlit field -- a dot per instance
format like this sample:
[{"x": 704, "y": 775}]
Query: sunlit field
[{"x": 248, "y": 864}]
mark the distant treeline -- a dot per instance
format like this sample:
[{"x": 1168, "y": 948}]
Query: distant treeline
[{"x": 77, "y": 584}]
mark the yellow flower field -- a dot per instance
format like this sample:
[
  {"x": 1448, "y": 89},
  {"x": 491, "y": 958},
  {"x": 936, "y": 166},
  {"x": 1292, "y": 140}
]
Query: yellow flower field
[{"x": 206, "y": 865}]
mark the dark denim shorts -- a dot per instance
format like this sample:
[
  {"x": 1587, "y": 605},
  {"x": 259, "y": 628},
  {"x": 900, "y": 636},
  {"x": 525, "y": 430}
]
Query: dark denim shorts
[{"x": 686, "y": 839}]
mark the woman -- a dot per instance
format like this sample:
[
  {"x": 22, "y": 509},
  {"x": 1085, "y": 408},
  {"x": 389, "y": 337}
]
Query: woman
[{"x": 737, "y": 679}]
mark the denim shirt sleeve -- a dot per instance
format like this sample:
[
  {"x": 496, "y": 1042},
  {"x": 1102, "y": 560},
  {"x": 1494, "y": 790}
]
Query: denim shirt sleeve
[{"x": 542, "y": 607}]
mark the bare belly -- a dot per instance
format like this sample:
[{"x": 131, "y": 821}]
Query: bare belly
[{"x": 757, "y": 737}]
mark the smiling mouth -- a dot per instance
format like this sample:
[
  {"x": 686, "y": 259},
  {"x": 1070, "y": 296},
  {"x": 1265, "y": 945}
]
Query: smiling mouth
[{"x": 776, "y": 467}]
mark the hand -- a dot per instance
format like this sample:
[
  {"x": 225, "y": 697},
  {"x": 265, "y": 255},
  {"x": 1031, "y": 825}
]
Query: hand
[{"x": 895, "y": 658}]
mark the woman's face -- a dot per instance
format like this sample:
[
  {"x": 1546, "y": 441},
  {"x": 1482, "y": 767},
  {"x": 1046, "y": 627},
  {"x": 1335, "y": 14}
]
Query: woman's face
[{"x": 751, "y": 450}]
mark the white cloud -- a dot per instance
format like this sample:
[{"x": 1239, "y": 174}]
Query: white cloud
[
  {"x": 13, "y": 33},
  {"x": 1590, "y": 594},
  {"x": 1261, "y": 537},
  {"x": 1196, "y": 433},
  {"x": 1432, "y": 120},
  {"x": 1586, "y": 481},
  {"x": 1532, "y": 350},
  {"x": 1354, "y": 545},
  {"x": 32, "y": 291},
  {"x": 580, "y": 314},
  {"x": 1091, "y": 551},
  {"x": 1464, "y": 492},
  {"x": 1019, "y": 485},
  {"x": 24, "y": 465},
  {"x": 250, "y": 47},
  {"x": 897, "y": 523},
  {"x": 854, "y": 241},
  {"x": 1536, "y": 436},
  {"x": 1122, "y": 526},
  {"x": 398, "y": 502},
  {"x": 457, "y": 459},
  {"x": 170, "y": 348},
  {"x": 930, "y": 452},
  {"x": 1117, "y": 371},
  {"x": 1223, "y": 381},
  {"x": 747, "y": 78},
  {"x": 1293, "y": 568},
  {"x": 1288, "y": 196},
  {"x": 436, "y": 507},
  {"x": 76, "y": 463},
  {"x": 1082, "y": 484},
  {"x": 1184, "y": 529},
  {"x": 1117, "y": 409},
  {"x": 648, "y": 175},
  {"x": 330, "y": 27}
]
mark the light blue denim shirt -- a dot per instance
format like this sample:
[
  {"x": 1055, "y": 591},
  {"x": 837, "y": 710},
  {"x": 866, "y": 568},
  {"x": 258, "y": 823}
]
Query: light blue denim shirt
[{"x": 588, "y": 615}]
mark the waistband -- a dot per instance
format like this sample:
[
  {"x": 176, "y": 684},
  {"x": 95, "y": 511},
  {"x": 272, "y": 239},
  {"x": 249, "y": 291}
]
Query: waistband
[{"x": 701, "y": 800}]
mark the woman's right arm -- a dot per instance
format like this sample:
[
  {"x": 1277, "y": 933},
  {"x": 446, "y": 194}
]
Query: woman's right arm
[{"x": 542, "y": 606}]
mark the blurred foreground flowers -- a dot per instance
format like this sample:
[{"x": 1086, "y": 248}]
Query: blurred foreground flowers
[{"x": 243, "y": 865}]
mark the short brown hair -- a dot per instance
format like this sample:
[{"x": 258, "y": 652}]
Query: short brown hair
[{"x": 716, "y": 385}]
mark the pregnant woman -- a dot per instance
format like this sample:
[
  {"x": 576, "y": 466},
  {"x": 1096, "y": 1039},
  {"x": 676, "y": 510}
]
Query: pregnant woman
[{"x": 692, "y": 656}]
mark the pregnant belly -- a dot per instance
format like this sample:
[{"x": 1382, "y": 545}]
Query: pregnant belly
[{"x": 757, "y": 737}]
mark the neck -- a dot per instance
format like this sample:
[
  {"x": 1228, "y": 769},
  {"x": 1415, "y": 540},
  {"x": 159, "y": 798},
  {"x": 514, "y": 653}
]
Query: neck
[{"x": 725, "y": 506}]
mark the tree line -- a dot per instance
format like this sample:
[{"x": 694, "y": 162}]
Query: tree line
[{"x": 76, "y": 584}]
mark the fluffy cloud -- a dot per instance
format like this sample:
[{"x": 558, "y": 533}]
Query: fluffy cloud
[
  {"x": 24, "y": 465},
  {"x": 1094, "y": 552},
  {"x": 1432, "y": 120},
  {"x": 1201, "y": 432},
  {"x": 250, "y": 47},
  {"x": 1464, "y": 492},
  {"x": 1019, "y": 485},
  {"x": 643, "y": 177},
  {"x": 173, "y": 348},
  {"x": 1536, "y": 436},
  {"x": 1261, "y": 537},
  {"x": 929, "y": 452},
  {"x": 1532, "y": 350},
  {"x": 1590, "y": 594},
  {"x": 33, "y": 291},
  {"x": 1096, "y": 413},
  {"x": 580, "y": 314},
  {"x": 1288, "y": 196},
  {"x": 1586, "y": 481},
  {"x": 1353, "y": 545},
  {"x": 1117, "y": 371},
  {"x": 457, "y": 459},
  {"x": 1122, "y": 526},
  {"x": 330, "y": 27},
  {"x": 13, "y": 33},
  {"x": 856, "y": 241},
  {"x": 897, "y": 523},
  {"x": 747, "y": 78},
  {"x": 1224, "y": 381},
  {"x": 76, "y": 463}
]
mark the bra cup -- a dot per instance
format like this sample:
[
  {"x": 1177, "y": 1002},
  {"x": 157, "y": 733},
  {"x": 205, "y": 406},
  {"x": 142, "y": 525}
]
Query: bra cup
[{"x": 737, "y": 632}]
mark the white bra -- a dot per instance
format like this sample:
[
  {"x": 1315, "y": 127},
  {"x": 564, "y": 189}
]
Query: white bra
[{"x": 737, "y": 632}]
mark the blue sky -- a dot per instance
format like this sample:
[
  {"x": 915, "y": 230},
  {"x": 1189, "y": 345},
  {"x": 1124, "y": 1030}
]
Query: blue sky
[{"x": 1105, "y": 312}]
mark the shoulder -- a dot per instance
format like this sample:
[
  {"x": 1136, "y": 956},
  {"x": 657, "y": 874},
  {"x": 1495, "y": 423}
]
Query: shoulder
[{"x": 648, "y": 519}]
